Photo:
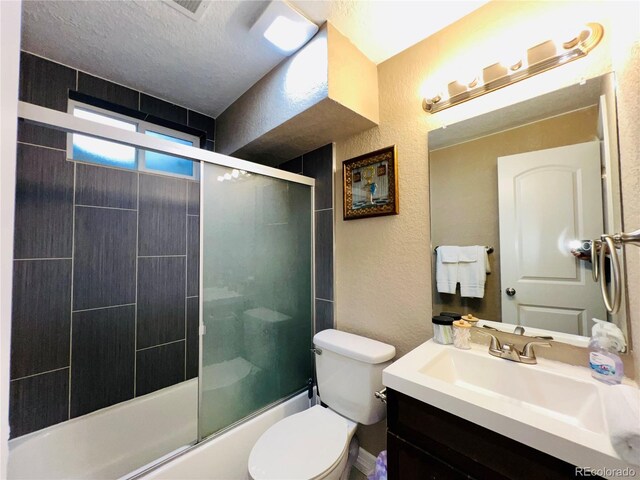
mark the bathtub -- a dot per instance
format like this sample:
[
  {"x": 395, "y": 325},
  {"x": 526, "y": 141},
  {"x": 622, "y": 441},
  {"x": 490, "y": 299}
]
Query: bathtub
[
  {"x": 111, "y": 442},
  {"x": 226, "y": 456},
  {"x": 126, "y": 439}
]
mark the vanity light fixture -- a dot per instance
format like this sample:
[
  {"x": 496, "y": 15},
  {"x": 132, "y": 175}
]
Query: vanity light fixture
[
  {"x": 537, "y": 59},
  {"x": 284, "y": 27}
]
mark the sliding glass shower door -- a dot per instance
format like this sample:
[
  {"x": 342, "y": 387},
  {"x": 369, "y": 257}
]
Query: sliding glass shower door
[
  {"x": 256, "y": 234},
  {"x": 170, "y": 287}
]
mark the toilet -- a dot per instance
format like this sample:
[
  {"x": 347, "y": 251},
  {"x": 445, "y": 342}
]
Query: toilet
[{"x": 319, "y": 443}]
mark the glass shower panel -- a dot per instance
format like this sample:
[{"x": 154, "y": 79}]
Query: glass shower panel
[
  {"x": 104, "y": 333},
  {"x": 257, "y": 293}
]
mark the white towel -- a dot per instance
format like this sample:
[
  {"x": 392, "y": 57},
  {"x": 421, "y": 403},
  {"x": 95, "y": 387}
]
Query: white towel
[
  {"x": 473, "y": 275},
  {"x": 447, "y": 268},
  {"x": 622, "y": 407},
  {"x": 468, "y": 254},
  {"x": 449, "y": 253}
]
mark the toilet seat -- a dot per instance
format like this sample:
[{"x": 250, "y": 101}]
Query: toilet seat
[{"x": 303, "y": 446}]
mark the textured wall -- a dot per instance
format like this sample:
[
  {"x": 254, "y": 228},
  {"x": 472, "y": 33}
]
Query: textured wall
[
  {"x": 353, "y": 78},
  {"x": 383, "y": 281},
  {"x": 326, "y": 90},
  {"x": 627, "y": 65},
  {"x": 464, "y": 195},
  {"x": 286, "y": 91}
]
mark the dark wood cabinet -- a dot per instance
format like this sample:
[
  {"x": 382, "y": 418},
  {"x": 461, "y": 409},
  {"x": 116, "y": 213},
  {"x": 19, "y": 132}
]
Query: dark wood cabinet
[{"x": 424, "y": 442}]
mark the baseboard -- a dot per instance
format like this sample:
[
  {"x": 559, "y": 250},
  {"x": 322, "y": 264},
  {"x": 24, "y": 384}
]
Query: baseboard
[{"x": 366, "y": 462}]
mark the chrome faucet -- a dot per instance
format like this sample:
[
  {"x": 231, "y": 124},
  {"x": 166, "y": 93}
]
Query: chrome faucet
[{"x": 509, "y": 351}]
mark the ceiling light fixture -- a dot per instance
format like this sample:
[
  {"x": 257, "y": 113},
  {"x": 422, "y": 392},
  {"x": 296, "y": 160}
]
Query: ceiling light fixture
[
  {"x": 537, "y": 59},
  {"x": 284, "y": 27}
]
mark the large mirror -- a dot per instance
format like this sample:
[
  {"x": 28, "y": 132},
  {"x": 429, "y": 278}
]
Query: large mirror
[{"x": 523, "y": 190}]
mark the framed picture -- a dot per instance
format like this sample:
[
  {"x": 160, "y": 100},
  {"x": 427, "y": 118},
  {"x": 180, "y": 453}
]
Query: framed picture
[{"x": 370, "y": 184}]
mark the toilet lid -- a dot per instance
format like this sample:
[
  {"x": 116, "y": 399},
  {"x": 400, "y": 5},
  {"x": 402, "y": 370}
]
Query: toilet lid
[{"x": 302, "y": 446}]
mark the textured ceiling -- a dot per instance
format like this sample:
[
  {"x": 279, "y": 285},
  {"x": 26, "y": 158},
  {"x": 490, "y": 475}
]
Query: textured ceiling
[
  {"x": 207, "y": 65},
  {"x": 382, "y": 28}
]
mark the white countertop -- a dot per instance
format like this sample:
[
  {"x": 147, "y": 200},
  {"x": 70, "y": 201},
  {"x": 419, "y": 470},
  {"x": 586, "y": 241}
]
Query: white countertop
[{"x": 582, "y": 443}]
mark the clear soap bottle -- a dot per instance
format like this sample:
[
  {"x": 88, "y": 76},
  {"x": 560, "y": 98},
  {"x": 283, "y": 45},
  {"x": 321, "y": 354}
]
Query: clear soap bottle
[{"x": 607, "y": 340}]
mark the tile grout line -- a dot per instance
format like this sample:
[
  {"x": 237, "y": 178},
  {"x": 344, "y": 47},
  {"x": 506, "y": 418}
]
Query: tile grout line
[
  {"x": 43, "y": 146},
  {"x": 107, "y": 208},
  {"x": 37, "y": 259},
  {"x": 161, "y": 256},
  {"x": 102, "y": 308},
  {"x": 40, "y": 373},
  {"x": 135, "y": 314},
  {"x": 73, "y": 251},
  {"x": 162, "y": 345}
]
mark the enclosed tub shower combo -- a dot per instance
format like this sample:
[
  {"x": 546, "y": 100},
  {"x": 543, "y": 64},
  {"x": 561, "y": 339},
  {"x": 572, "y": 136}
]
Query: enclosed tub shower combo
[{"x": 169, "y": 290}]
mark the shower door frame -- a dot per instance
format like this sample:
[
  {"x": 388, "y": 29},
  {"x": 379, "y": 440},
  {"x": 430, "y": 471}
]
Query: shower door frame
[{"x": 66, "y": 122}]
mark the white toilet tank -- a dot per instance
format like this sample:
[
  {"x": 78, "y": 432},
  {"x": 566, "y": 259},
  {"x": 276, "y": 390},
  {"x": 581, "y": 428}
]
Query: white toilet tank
[{"x": 349, "y": 372}]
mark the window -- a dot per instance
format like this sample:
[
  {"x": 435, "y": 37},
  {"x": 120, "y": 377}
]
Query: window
[{"x": 103, "y": 152}]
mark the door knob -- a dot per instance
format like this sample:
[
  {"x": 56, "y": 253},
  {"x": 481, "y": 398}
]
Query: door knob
[{"x": 510, "y": 291}]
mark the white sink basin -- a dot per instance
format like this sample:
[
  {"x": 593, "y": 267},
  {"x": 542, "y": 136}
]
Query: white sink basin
[
  {"x": 553, "y": 407},
  {"x": 563, "y": 398}
]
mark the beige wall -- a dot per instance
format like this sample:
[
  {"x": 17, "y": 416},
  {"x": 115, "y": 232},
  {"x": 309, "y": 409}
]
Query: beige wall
[
  {"x": 464, "y": 195},
  {"x": 307, "y": 101},
  {"x": 383, "y": 265}
]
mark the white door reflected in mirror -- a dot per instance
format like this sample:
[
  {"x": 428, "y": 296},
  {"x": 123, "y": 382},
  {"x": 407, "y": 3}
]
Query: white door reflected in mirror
[{"x": 548, "y": 199}]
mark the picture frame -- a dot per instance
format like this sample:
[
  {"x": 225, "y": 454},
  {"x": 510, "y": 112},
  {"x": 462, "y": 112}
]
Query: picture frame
[{"x": 370, "y": 184}]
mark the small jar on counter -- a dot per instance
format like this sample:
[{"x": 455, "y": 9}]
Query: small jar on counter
[
  {"x": 442, "y": 329},
  {"x": 471, "y": 319},
  {"x": 462, "y": 334}
]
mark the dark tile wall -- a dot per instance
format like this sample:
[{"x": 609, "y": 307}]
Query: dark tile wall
[
  {"x": 160, "y": 367},
  {"x": 162, "y": 215},
  {"x": 38, "y": 401},
  {"x": 161, "y": 300},
  {"x": 41, "y": 316},
  {"x": 102, "y": 367},
  {"x": 318, "y": 164},
  {"x": 99, "y": 187},
  {"x": 110, "y": 92},
  {"x": 104, "y": 259},
  {"x": 44, "y": 203},
  {"x": 105, "y": 285}
]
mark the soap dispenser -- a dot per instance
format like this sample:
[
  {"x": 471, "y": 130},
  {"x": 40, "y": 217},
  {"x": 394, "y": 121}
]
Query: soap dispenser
[{"x": 607, "y": 340}]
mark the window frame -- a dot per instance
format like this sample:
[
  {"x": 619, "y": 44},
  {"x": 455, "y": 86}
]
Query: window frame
[{"x": 142, "y": 126}]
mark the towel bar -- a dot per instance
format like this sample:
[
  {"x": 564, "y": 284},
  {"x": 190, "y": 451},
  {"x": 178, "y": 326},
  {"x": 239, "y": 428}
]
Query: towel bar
[
  {"x": 612, "y": 295},
  {"x": 489, "y": 249}
]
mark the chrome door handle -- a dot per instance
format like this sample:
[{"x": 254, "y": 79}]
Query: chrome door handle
[{"x": 510, "y": 291}]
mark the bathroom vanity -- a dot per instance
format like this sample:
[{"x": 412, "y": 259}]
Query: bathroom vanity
[
  {"x": 426, "y": 442},
  {"x": 466, "y": 414}
]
